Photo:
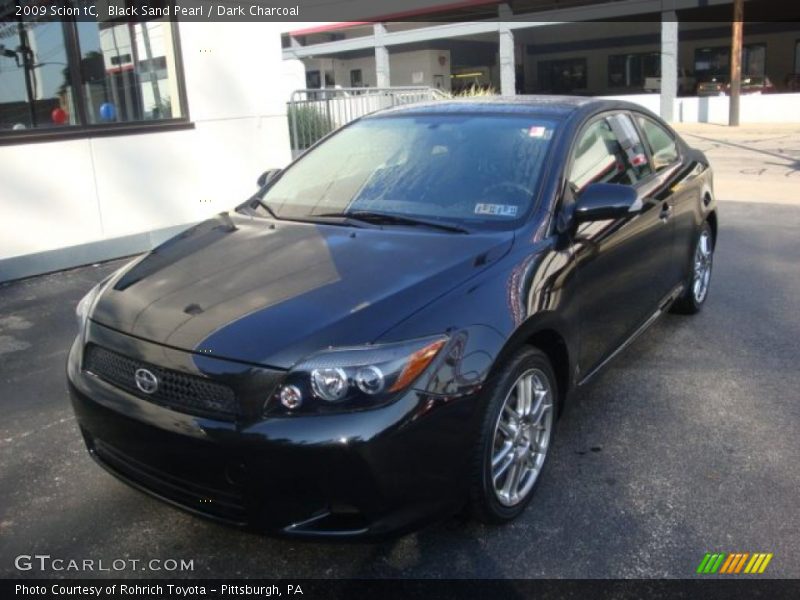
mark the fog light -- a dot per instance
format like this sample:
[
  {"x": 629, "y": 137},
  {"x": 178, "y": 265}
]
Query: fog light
[
  {"x": 370, "y": 380},
  {"x": 329, "y": 384},
  {"x": 291, "y": 397}
]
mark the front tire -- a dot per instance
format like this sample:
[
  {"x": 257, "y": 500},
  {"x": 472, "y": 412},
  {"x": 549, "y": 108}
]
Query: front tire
[
  {"x": 696, "y": 292},
  {"x": 515, "y": 436}
]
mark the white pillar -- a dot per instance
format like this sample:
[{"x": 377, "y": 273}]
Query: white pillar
[
  {"x": 669, "y": 63},
  {"x": 382, "y": 71},
  {"x": 508, "y": 73}
]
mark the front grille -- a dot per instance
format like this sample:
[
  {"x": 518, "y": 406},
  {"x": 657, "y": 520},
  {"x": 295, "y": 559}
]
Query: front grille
[{"x": 184, "y": 393}]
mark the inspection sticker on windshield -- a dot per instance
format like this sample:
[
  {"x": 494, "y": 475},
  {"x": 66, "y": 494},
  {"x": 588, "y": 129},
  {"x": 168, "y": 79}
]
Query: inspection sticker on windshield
[
  {"x": 497, "y": 210},
  {"x": 537, "y": 131}
]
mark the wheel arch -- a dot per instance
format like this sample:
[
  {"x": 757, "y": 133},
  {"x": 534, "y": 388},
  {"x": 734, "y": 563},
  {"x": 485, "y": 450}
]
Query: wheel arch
[
  {"x": 548, "y": 335},
  {"x": 712, "y": 222}
]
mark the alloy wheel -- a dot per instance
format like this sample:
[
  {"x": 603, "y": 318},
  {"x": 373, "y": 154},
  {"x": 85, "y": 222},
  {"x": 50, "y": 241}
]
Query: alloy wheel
[
  {"x": 521, "y": 437},
  {"x": 703, "y": 258}
]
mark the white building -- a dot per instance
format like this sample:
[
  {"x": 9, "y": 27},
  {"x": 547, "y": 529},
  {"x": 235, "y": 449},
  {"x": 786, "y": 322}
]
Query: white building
[
  {"x": 151, "y": 130},
  {"x": 585, "y": 47}
]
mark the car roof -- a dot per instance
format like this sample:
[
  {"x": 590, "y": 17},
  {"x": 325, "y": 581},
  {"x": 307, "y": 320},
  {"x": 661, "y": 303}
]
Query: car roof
[{"x": 556, "y": 106}]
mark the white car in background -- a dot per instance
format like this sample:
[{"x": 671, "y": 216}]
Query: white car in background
[{"x": 686, "y": 82}]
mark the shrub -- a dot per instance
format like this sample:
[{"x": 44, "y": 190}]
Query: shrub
[{"x": 309, "y": 124}]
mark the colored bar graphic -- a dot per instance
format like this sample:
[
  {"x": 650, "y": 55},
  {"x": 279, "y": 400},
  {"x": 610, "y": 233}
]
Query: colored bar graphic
[
  {"x": 733, "y": 563},
  {"x": 741, "y": 562},
  {"x": 710, "y": 563},
  {"x": 727, "y": 564},
  {"x": 703, "y": 563},
  {"x": 764, "y": 564},
  {"x": 752, "y": 562},
  {"x": 730, "y": 564},
  {"x": 757, "y": 566},
  {"x": 718, "y": 563}
]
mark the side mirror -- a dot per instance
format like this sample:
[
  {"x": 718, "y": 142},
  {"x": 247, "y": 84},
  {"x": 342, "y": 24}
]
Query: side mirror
[
  {"x": 601, "y": 201},
  {"x": 266, "y": 176}
]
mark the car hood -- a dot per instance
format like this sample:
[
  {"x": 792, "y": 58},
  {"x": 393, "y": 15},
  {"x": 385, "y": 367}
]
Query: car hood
[{"x": 271, "y": 292}]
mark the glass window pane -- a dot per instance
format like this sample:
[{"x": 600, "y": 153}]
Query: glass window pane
[
  {"x": 469, "y": 168},
  {"x": 562, "y": 76},
  {"x": 662, "y": 146},
  {"x": 797, "y": 57},
  {"x": 128, "y": 71},
  {"x": 35, "y": 90},
  {"x": 609, "y": 151},
  {"x": 754, "y": 60}
]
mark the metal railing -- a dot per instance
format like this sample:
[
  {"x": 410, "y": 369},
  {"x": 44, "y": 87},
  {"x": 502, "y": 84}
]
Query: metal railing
[{"x": 313, "y": 113}]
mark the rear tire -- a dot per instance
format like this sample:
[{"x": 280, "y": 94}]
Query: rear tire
[
  {"x": 514, "y": 438},
  {"x": 695, "y": 293}
]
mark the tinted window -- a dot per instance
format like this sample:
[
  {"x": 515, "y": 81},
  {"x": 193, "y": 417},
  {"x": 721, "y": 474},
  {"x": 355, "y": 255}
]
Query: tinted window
[
  {"x": 476, "y": 168},
  {"x": 662, "y": 144},
  {"x": 562, "y": 76},
  {"x": 608, "y": 151}
]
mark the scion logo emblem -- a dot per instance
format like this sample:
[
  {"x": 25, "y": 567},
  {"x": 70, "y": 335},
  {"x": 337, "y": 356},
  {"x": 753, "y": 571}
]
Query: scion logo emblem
[{"x": 145, "y": 381}]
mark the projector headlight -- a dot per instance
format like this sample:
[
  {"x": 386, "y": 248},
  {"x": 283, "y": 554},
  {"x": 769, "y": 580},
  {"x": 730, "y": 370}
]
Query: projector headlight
[
  {"x": 84, "y": 308},
  {"x": 86, "y": 303},
  {"x": 354, "y": 378}
]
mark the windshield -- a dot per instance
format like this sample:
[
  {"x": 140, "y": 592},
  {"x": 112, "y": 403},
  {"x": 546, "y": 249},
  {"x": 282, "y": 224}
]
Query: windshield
[{"x": 478, "y": 171}]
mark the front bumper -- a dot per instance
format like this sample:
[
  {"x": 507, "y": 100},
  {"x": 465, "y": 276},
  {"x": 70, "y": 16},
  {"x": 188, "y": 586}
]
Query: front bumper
[{"x": 357, "y": 474}]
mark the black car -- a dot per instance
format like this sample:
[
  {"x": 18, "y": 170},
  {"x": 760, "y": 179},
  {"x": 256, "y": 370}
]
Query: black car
[{"x": 387, "y": 331}]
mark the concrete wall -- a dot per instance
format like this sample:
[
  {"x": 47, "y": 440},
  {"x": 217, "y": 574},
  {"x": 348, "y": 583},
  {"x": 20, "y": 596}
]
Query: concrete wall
[
  {"x": 65, "y": 203},
  {"x": 755, "y": 108}
]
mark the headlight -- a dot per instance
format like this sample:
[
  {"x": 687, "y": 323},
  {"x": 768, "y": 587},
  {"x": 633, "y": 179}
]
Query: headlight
[
  {"x": 354, "y": 378},
  {"x": 85, "y": 305}
]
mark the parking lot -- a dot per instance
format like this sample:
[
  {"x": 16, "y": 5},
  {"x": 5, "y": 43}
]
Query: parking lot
[{"x": 686, "y": 444}]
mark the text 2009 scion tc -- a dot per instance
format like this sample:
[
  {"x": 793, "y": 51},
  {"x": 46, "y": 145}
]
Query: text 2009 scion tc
[{"x": 387, "y": 331}]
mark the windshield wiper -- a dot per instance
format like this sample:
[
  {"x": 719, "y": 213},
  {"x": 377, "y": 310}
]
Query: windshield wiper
[
  {"x": 336, "y": 218},
  {"x": 267, "y": 207},
  {"x": 380, "y": 218}
]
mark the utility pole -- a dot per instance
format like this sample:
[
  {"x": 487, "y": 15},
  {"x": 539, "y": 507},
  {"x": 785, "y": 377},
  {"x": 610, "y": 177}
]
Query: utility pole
[
  {"x": 27, "y": 64},
  {"x": 736, "y": 62}
]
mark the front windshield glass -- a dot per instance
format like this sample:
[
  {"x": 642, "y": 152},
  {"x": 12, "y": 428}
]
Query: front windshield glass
[{"x": 472, "y": 170}]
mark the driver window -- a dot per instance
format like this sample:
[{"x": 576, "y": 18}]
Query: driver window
[{"x": 608, "y": 151}]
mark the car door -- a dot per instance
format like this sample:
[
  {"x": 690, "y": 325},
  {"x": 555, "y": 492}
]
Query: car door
[
  {"x": 621, "y": 263},
  {"x": 674, "y": 182}
]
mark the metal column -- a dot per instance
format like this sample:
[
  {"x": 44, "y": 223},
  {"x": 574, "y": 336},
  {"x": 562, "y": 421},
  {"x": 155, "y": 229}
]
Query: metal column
[
  {"x": 508, "y": 84},
  {"x": 669, "y": 63},
  {"x": 382, "y": 70}
]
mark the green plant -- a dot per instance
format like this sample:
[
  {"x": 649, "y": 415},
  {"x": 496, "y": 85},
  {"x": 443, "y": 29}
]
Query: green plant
[
  {"x": 475, "y": 91},
  {"x": 308, "y": 125}
]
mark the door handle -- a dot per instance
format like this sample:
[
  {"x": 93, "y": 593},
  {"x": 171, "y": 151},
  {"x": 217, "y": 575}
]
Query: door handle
[{"x": 666, "y": 211}]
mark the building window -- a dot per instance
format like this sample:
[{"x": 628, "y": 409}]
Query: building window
[
  {"x": 70, "y": 77},
  {"x": 562, "y": 76},
  {"x": 128, "y": 71},
  {"x": 313, "y": 81},
  {"x": 630, "y": 70},
  {"x": 35, "y": 86},
  {"x": 716, "y": 62},
  {"x": 797, "y": 57},
  {"x": 356, "y": 78}
]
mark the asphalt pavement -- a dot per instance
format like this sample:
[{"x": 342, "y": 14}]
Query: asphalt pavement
[{"x": 688, "y": 443}]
